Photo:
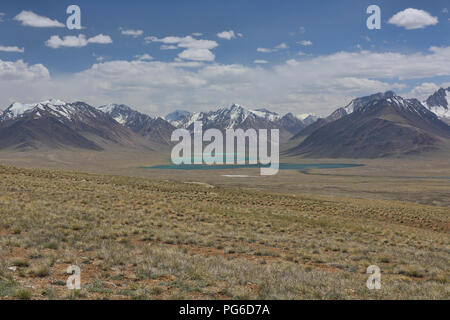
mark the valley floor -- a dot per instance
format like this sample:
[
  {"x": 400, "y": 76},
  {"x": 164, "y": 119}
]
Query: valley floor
[
  {"x": 141, "y": 238},
  {"x": 423, "y": 180}
]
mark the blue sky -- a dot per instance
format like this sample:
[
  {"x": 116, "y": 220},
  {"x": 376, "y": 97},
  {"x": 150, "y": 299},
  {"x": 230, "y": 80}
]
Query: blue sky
[{"x": 289, "y": 56}]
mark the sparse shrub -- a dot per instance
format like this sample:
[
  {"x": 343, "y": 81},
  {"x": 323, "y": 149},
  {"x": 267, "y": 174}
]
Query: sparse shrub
[
  {"x": 20, "y": 262},
  {"x": 40, "y": 271},
  {"x": 51, "y": 245},
  {"x": 22, "y": 294}
]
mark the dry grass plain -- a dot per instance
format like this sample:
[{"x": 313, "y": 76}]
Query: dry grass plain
[{"x": 162, "y": 238}]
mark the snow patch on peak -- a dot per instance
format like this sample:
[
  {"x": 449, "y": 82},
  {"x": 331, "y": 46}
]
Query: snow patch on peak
[
  {"x": 108, "y": 108},
  {"x": 439, "y": 103},
  {"x": 17, "y": 109},
  {"x": 307, "y": 118},
  {"x": 266, "y": 114},
  {"x": 54, "y": 102}
]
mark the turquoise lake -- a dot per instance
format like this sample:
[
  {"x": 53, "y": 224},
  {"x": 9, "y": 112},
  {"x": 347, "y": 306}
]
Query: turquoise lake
[{"x": 283, "y": 166}]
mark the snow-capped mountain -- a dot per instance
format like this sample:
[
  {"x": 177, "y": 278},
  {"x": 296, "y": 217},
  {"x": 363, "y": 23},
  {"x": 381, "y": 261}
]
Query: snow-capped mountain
[
  {"x": 57, "y": 124},
  {"x": 178, "y": 117},
  {"x": 156, "y": 129},
  {"x": 266, "y": 114},
  {"x": 290, "y": 123},
  {"x": 379, "y": 125},
  {"x": 439, "y": 103},
  {"x": 237, "y": 116},
  {"x": 57, "y": 108},
  {"x": 357, "y": 103},
  {"x": 226, "y": 118},
  {"x": 307, "y": 118}
]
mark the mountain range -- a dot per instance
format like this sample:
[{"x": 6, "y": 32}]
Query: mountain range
[
  {"x": 238, "y": 117},
  {"x": 379, "y": 125},
  {"x": 57, "y": 124}
]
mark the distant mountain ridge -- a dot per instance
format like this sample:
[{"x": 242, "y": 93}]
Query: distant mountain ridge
[
  {"x": 379, "y": 125},
  {"x": 439, "y": 103},
  {"x": 155, "y": 129},
  {"x": 237, "y": 116},
  {"x": 57, "y": 124}
]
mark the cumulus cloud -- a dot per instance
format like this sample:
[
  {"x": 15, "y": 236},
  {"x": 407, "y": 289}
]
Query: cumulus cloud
[
  {"x": 168, "y": 47},
  {"x": 281, "y": 46},
  {"x": 264, "y": 50},
  {"x": 100, "y": 39},
  {"x": 185, "y": 42},
  {"x": 423, "y": 90},
  {"x": 2, "y": 15},
  {"x": 31, "y": 19},
  {"x": 143, "y": 57},
  {"x": 21, "y": 71},
  {"x": 11, "y": 49},
  {"x": 305, "y": 43},
  {"x": 195, "y": 49},
  {"x": 260, "y": 61},
  {"x": 56, "y": 42},
  {"x": 315, "y": 84},
  {"x": 413, "y": 19},
  {"x": 228, "y": 35},
  {"x": 131, "y": 32},
  {"x": 197, "y": 55}
]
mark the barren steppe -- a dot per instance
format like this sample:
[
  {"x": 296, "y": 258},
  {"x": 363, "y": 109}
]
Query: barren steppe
[{"x": 157, "y": 234}]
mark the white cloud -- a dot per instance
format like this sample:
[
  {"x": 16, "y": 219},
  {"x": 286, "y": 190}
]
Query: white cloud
[
  {"x": 305, "y": 43},
  {"x": 143, "y": 57},
  {"x": 191, "y": 43},
  {"x": 423, "y": 90},
  {"x": 195, "y": 49},
  {"x": 302, "y": 30},
  {"x": 197, "y": 55},
  {"x": 185, "y": 42},
  {"x": 197, "y": 34},
  {"x": 301, "y": 53},
  {"x": 168, "y": 47},
  {"x": 264, "y": 50},
  {"x": 100, "y": 39},
  {"x": 260, "y": 61},
  {"x": 56, "y": 42},
  {"x": 228, "y": 35},
  {"x": 11, "y": 49},
  {"x": 21, "y": 71},
  {"x": 281, "y": 46},
  {"x": 2, "y": 15},
  {"x": 315, "y": 84},
  {"x": 413, "y": 19},
  {"x": 131, "y": 32},
  {"x": 68, "y": 41},
  {"x": 445, "y": 10},
  {"x": 31, "y": 19}
]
